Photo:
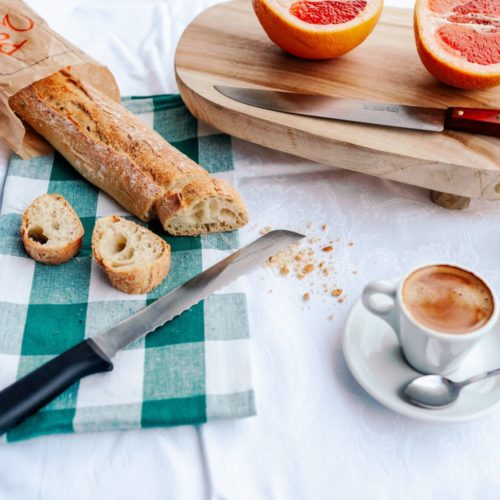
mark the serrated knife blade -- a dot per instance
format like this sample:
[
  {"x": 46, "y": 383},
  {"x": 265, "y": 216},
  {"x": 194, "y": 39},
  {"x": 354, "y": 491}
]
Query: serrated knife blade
[{"x": 186, "y": 296}]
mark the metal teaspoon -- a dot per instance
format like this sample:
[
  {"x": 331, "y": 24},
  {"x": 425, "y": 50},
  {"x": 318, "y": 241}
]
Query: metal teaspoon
[{"x": 435, "y": 391}]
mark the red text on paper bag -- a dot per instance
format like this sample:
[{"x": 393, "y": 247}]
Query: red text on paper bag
[
  {"x": 29, "y": 51},
  {"x": 9, "y": 42}
]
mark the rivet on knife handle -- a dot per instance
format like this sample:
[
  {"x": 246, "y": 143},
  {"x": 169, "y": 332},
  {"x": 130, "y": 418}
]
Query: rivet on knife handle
[{"x": 473, "y": 120}]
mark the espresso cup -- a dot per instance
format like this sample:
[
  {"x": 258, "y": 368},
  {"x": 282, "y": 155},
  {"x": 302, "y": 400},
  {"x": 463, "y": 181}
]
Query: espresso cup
[{"x": 434, "y": 324}]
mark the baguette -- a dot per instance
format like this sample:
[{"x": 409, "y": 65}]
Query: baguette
[
  {"x": 135, "y": 259},
  {"x": 115, "y": 151},
  {"x": 51, "y": 231}
]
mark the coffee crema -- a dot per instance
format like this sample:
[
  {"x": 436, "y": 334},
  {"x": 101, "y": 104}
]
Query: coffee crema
[{"x": 447, "y": 299}]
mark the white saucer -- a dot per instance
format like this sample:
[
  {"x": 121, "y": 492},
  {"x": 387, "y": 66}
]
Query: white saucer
[{"x": 373, "y": 355}]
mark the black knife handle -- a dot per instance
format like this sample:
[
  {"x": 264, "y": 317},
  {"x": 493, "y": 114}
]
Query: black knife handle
[{"x": 32, "y": 392}]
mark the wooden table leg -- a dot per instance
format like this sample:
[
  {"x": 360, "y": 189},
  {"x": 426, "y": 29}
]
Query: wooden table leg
[{"x": 450, "y": 201}]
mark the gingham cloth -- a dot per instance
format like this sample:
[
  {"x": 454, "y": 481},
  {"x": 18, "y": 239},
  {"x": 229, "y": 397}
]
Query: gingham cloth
[{"x": 193, "y": 369}]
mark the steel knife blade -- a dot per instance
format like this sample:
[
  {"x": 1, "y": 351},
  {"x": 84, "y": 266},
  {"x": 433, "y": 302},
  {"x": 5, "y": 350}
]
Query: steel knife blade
[
  {"x": 475, "y": 120},
  {"x": 26, "y": 396},
  {"x": 201, "y": 286}
]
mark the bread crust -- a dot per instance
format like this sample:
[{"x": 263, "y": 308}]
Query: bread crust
[
  {"x": 117, "y": 152},
  {"x": 52, "y": 255},
  {"x": 136, "y": 279},
  {"x": 109, "y": 169}
]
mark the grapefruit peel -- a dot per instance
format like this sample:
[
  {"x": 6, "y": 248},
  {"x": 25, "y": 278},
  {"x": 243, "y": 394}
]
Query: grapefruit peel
[{"x": 321, "y": 29}]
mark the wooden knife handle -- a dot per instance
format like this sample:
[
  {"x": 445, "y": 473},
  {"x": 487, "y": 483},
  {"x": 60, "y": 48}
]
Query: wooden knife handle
[
  {"x": 29, "y": 394},
  {"x": 473, "y": 120}
]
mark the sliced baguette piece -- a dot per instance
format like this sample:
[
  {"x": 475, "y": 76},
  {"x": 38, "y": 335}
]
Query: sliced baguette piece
[
  {"x": 135, "y": 259},
  {"x": 202, "y": 207},
  {"x": 50, "y": 230},
  {"x": 114, "y": 150}
]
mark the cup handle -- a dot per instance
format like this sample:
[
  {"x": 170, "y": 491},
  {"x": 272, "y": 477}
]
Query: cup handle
[{"x": 387, "y": 312}]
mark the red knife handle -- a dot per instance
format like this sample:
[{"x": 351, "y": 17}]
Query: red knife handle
[{"x": 473, "y": 120}]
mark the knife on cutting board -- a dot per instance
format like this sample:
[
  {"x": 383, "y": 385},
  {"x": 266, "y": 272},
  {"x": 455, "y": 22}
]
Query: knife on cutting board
[
  {"x": 474, "y": 120},
  {"x": 29, "y": 394}
]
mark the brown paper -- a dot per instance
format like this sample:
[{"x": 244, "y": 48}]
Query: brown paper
[{"x": 30, "y": 51}]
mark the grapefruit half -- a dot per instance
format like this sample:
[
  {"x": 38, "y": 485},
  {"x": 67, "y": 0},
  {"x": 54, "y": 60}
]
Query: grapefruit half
[
  {"x": 458, "y": 41},
  {"x": 318, "y": 29}
]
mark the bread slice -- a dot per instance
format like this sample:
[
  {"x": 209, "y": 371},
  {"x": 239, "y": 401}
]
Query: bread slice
[
  {"x": 135, "y": 259},
  {"x": 118, "y": 153},
  {"x": 50, "y": 230},
  {"x": 202, "y": 207}
]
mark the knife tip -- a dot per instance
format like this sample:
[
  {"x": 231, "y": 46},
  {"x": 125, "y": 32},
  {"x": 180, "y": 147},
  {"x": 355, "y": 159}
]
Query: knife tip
[
  {"x": 220, "y": 88},
  {"x": 287, "y": 234}
]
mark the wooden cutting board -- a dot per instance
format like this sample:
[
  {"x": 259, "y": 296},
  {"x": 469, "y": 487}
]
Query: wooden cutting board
[{"x": 226, "y": 45}]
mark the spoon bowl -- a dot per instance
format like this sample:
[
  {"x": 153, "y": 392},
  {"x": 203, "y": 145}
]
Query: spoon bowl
[{"x": 432, "y": 391}]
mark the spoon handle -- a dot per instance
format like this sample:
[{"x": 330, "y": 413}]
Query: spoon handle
[{"x": 481, "y": 376}]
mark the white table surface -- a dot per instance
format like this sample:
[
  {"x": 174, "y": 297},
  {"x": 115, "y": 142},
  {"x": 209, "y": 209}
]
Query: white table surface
[{"x": 317, "y": 434}]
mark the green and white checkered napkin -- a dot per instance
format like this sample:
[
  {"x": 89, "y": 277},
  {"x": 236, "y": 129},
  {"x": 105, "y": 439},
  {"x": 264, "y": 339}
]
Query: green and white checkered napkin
[{"x": 193, "y": 369}]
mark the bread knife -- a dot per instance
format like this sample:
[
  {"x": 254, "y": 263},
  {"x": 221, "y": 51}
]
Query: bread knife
[
  {"x": 29, "y": 394},
  {"x": 474, "y": 120}
]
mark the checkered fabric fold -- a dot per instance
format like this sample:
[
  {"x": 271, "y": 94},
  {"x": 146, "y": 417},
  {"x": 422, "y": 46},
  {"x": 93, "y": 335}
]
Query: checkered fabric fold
[{"x": 193, "y": 369}]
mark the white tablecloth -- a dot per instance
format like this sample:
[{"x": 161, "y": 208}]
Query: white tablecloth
[{"x": 317, "y": 434}]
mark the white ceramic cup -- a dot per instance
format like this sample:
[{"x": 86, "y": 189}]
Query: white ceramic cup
[{"x": 427, "y": 350}]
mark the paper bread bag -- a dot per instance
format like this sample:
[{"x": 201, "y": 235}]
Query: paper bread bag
[{"x": 30, "y": 51}]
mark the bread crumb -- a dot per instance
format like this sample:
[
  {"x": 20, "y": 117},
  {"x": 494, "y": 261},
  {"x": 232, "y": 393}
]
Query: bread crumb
[
  {"x": 328, "y": 248},
  {"x": 350, "y": 244},
  {"x": 284, "y": 271},
  {"x": 330, "y": 317},
  {"x": 340, "y": 299},
  {"x": 306, "y": 296},
  {"x": 324, "y": 227},
  {"x": 337, "y": 292},
  {"x": 266, "y": 230},
  {"x": 308, "y": 268}
]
